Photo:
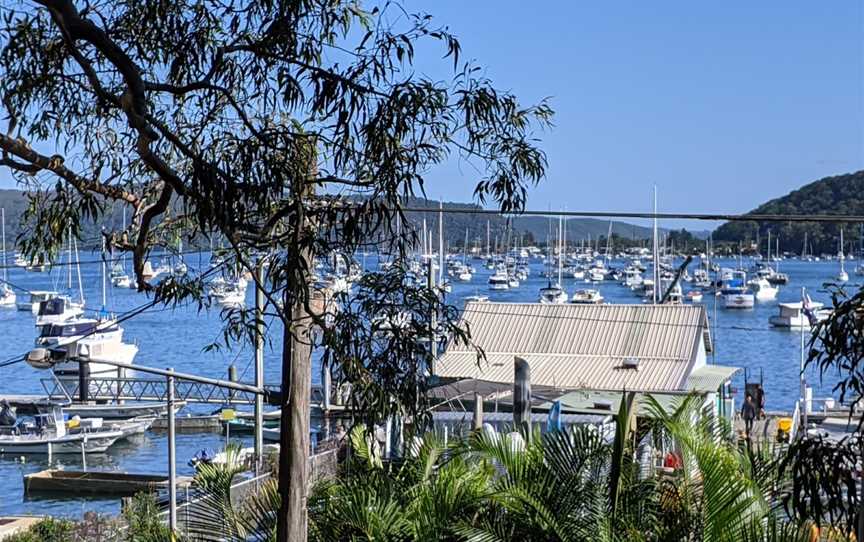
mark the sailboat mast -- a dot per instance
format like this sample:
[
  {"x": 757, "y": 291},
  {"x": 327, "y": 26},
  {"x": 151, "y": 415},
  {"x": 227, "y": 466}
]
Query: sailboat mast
[
  {"x": 440, "y": 243},
  {"x": 104, "y": 300},
  {"x": 656, "y": 252},
  {"x": 842, "y": 254},
  {"x": 3, "y": 227},
  {"x": 560, "y": 249},
  {"x": 78, "y": 268},
  {"x": 69, "y": 262}
]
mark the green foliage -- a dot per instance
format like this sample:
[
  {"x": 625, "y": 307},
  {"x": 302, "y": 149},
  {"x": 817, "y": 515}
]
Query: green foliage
[
  {"x": 142, "y": 516},
  {"x": 838, "y": 195},
  {"x": 47, "y": 530}
]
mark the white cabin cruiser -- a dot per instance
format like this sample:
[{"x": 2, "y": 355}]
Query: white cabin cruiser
[
  {"x": 499, "y": 280},
  {"x": 735, "y": 293},
  {"x": 233, "y": 292},
  {"x": 587, "y": 297},
  {"x": 63, "y": 346},
  {"x": 762, "y": 288},
  {"x": 791, "y": 315}
]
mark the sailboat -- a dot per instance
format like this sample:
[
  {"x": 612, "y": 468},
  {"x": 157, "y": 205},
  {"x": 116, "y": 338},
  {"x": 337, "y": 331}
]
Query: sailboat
[
  {"x": 860, "y": 269},
  {"x": 7, "y": 296},
  {"x": 842, "y": 276},
  {"x": 555, "y": 294},
  {"x": 119, "y": 278}
]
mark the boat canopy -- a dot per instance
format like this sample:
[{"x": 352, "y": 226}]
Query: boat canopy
[
  {"x": 52, "y": 307},
  {"x": 74, "y": 329}
]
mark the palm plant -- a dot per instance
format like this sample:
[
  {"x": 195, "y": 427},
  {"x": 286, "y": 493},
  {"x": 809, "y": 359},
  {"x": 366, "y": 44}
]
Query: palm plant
[{"x": 582, "y": 484}]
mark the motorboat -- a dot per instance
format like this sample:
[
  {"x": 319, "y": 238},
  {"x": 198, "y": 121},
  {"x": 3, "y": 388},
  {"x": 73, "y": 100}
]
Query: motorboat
[
  {"x": 499, "y": 280},
  {"x": 228, "y": 293},
  {"x": 49, "y": 435},
  {"x": 694, "y": 296},
  {"x": 701, "y": 279},
  {"x": 119, "y": 278},
  {"x": 586, "y": 297},
  {"x": 632, "y": 276},
  {"x": 553, "y": 294},
  {"x": 62, "y": 346},
  {"x": 56, "y": 310},
  {"x": 791, "y": 315},
  {"x": 777, "y": 278},
  {"x": 735, "y": 293},
  {"x": 7, "y": 296},
  {"x": 34, "y": 299},
  {"x": 512, "y": 281},
  {"x": 762, "y": 289},
  {"x": 597, "y": 274},
  {"x": 476, "y": 298}
]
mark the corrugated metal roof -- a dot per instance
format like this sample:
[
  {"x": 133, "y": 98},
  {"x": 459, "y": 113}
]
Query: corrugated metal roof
[
  {"x": 709, "y": 378},
  {"x": 580, "y": 346},
  {"x": 585, "y": 402}
]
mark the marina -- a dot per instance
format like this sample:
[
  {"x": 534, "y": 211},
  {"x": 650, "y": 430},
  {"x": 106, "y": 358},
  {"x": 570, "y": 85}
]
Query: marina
[
  {"x": 314, "y": 271},
  {"x": 741, "y": 338}
]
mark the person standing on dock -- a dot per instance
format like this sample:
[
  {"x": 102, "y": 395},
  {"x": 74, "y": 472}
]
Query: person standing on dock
[{"x": 748, "y": 412}]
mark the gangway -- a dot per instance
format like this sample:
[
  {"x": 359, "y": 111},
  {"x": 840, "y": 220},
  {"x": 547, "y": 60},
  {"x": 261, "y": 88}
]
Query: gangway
[{"x": 151, "y": 389}]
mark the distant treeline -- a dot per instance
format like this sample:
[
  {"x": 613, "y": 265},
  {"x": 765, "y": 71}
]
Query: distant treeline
[
  {"x": 522, "y": 230},
  {"x": 838, "y": 195}
]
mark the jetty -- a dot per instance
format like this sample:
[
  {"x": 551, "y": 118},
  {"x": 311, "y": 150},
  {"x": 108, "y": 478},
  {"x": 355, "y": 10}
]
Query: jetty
[{"x": 117, "y": 484}]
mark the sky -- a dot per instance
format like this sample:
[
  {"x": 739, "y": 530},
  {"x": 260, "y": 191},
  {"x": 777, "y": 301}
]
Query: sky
[{"x": 722, "y": 105}]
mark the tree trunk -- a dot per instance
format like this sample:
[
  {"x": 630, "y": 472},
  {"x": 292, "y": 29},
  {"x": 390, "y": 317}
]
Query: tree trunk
[{"x": 294, "y": 435}]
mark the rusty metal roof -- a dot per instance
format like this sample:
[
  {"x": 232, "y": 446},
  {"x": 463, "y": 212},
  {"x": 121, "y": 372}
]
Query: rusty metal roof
[{"x": 581, "y": 346}]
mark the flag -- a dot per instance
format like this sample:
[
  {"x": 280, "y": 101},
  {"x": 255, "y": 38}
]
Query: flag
[
  {"x": 807, "y": 307},
  {"x": 553, "y": 422}
]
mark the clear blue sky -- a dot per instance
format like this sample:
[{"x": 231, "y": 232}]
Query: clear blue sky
[{"x": 722, "y": 104}]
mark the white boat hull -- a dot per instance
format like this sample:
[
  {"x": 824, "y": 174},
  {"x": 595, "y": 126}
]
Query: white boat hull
[
  {"x": 738, "y": 301},
  {"x": 68, "y": 444}
]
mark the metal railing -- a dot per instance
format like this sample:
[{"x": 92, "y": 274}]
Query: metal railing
[{"x": 156, "y": 389}]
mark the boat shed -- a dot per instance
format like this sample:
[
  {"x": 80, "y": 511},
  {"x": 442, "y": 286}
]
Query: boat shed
[{"x": 656, "y": 349}]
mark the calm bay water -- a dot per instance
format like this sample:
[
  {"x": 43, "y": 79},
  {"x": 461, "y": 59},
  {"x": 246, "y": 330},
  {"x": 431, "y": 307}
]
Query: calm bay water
[{"x": 176, "y": 338}]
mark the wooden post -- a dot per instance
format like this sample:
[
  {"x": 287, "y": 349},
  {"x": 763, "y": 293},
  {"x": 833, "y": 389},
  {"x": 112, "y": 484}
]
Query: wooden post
[
  {"x": 83, "y": 381},
  {"x": 522, "y": 394},
  {"x": 478, "y": 411}
]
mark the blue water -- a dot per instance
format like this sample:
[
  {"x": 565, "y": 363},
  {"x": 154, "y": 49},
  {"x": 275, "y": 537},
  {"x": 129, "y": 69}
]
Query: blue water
[{"x": 177, "y": 338}]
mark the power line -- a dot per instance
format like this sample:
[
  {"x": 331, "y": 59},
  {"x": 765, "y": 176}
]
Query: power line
[
  {"x": 85, "y": 262},
  {"x": 659, "y": 216}
]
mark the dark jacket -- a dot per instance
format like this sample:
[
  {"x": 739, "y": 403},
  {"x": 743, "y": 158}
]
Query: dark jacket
[{"x": 748, "y": 411}]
